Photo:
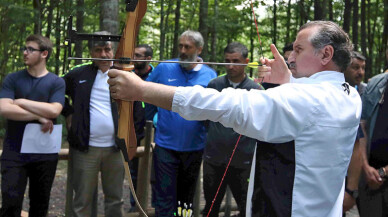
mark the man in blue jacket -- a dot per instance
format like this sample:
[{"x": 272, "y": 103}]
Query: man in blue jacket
[{"x": 179, "y": 143}]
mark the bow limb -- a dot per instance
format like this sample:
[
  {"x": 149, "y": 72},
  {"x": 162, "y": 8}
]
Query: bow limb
[{"x": 126, "y": 131}]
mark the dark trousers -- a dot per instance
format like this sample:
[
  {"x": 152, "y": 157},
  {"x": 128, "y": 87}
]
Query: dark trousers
[
  {"x": 235, "y": 178},
  {"x": 14, "y": 176},
  {"x": 372, "y": 203},
  {"x": 176, "y": 175}
]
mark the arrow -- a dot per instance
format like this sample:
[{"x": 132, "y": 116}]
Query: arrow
[{"x": 250, "y": 65}]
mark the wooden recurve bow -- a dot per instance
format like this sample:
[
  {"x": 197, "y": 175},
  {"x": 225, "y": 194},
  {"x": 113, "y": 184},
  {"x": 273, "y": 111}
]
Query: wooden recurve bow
[{"x": 126, "y": 130}]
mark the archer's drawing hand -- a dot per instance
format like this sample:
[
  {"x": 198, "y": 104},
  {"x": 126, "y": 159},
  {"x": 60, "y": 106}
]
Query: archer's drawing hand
[
  {"x": 275, "y": 70},
  {"x": 124, "y": 85}
]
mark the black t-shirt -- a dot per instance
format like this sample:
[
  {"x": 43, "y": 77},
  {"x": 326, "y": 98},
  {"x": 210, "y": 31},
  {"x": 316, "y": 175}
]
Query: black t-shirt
[{"x": 49, "y": 88}]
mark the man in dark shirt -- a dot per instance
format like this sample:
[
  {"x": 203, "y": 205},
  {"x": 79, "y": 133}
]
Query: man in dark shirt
[
  {"x": 222, "y": 140},
  {"x": 32, "y": 95},
  {"x": 354, "y": 75},
  {"x": 142, "y": 69},
  {"x": 374, "y": 120}
]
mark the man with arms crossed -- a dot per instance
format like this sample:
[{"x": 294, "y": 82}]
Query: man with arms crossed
[{"x": 32, "y": 95}]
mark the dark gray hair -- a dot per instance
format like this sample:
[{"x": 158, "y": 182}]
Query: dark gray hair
[
  {"x": 329, "y": 33},
  {"x": 236, "y": 47},
  {"x": 95, "y": 43},
  {"x": 357, "y": 55},
  {"x": 194, "y": 36},
  {"x": 149, "y": 52}
]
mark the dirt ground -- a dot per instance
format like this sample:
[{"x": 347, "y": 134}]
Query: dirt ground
[{"x": 58, "y": 194}]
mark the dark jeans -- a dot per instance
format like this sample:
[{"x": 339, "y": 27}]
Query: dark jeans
[
  {"x": 235, "y": 178},
  {"x": 176, "y": 175},
  {"x": 372, "y": 203},
  {"x": 14, "y": 177}
]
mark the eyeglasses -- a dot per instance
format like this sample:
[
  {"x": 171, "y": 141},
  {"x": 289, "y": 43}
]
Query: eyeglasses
[{"x": 29, "y": 49}]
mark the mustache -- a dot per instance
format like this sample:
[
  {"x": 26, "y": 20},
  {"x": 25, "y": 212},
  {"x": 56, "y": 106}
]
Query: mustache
[{"x": 183, "y": 56}]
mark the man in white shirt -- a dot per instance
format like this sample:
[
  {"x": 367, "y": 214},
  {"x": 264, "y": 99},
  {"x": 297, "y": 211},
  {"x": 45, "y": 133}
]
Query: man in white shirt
[
  {"x": 92, "y": 130},
  {"x": 313, "y": 116}
]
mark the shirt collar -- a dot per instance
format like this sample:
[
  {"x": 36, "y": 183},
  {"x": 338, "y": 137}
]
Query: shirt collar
[{"x": 329, "y": 76}]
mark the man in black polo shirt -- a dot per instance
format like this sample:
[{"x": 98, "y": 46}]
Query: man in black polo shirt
[{"x": 221, "y": 140}]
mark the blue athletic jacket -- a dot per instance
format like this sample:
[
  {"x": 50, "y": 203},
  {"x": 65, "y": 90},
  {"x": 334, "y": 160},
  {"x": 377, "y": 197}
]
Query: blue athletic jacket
[{"x": 174, "y": 132}]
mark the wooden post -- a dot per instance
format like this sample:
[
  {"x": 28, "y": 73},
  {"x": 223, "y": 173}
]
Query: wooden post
[
  {"x": 144, "y": 170},
  {"x": 197, "y": 196}
]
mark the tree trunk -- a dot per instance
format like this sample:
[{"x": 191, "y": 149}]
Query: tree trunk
[
  {"x": 213, "y": 29},
  {"x": 109, "y": 16},
  {"x": 162, "y": 31},
  {"x": 355, "y": 24},
  {"x": 274, "y": 35},
  {"x": 288, "y": 26},
  {"x": 330, "y": 10},
  {"x": 302, "y": 13},
  {"x": 50, "y": 9},
  {"x": 252, "y": 40},
  {"x": 166, "y": 29},
  {"x": 58, "y": 37},
  {"x": 203, "y": 26},
  {"x": 347, "y": 15},
  {"x": 37, "y": 21},
  {"x": 385, "y": 33},
  {"x": 176, "y": 28},
  {"x": 80, "y": 28},
  {"x": 318, "y": 10},
  {"x": 363, "y": 28}
]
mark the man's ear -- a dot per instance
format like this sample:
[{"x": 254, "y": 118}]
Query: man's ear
[
  {"x": 44, "y": 54},
  {"x": 200, "y": 50},
  {"x": 149, "y": 58},
  {"x": 327, "y": 54},
  {"x": 247, "y": 60}
]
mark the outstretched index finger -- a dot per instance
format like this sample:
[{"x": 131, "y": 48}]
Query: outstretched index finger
[{"x": 275, "y": 52}]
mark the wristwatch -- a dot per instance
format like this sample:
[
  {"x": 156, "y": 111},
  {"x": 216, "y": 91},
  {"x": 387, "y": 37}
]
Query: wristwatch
[
  {"x": 353, "y": 193},
  {"x": 382, "y": 172}
]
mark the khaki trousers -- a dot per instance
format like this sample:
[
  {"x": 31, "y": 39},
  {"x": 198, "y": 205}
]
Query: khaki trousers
[{"x": 86, "y": 168}]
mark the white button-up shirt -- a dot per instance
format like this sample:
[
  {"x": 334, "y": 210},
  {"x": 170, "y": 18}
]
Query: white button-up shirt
[{"x": 316, "y": 112}]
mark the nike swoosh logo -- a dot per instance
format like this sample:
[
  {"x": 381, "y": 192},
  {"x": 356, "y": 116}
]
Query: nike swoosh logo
[
  {"x": 82, "y": 81},
  {"x": 171, "y": 80}
]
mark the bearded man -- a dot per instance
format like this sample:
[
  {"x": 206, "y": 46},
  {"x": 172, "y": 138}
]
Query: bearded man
[{"x": 179, "y": 143}]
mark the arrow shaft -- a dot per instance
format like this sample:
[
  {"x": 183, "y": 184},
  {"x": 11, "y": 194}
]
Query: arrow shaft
[{"x": 163, "y": 61}]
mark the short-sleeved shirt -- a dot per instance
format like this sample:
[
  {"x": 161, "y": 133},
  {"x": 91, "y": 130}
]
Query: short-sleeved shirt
[{"x": 49, "y": 88}]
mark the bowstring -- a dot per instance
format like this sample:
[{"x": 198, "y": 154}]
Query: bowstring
[
  {"x": 222, "y": 180},
  {"x": 257, "y": 29}
]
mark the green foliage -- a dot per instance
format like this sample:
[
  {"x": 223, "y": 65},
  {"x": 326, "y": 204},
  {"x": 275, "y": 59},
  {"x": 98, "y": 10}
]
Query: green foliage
[{"x": 232, "y": 22}]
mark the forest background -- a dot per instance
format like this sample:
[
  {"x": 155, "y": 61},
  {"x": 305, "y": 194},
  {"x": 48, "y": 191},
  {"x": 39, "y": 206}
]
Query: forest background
[{"x": 219, "y": 21}]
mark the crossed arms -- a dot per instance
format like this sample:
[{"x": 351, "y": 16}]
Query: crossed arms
[{"x": 28, "y": 110}]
